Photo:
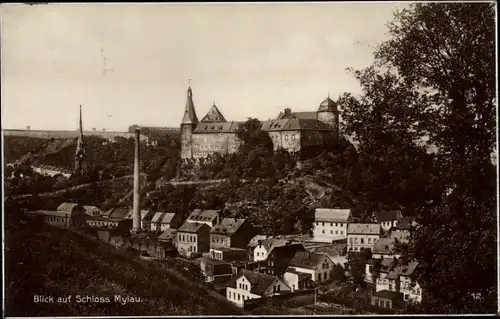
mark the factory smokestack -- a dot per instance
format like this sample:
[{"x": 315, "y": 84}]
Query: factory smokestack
[{"x": 136, "y": 217}]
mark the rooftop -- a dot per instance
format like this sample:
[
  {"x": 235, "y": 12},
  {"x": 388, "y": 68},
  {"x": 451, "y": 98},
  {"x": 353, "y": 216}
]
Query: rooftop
[
  {"x": 228, "y": 226},
  {"x": 203, "y": 215},
  {"x": 162, "y": 218},
  {"x": 67, "y": 207},
  {"x": 365, "y": 229},
  {"x": 49, "y": 213},
  {"x": 259, "y": 282},
  {"x": 192, "y": 227},
  {"x": 388, "y": 215},
  {"x": 332, "y": 215},
  {"x": 306, "y": 259}
]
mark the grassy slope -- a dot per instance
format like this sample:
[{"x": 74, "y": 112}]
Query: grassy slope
[{"x": 43, "y": 260}]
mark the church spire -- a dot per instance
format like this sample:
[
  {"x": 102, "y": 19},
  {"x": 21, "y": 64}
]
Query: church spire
[
  {"x": 80, "y": 150},
  {"x": 189, "y": 113}
]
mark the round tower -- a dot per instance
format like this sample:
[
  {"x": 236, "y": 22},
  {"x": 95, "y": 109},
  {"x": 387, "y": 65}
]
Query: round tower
[{"x": 328, "y": 113}]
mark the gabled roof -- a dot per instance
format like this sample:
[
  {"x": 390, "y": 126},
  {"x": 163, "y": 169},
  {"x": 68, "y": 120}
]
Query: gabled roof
[
  {"x": 189, "y": 116},
  {"x": 306, "y": 259},
  {"x": 119, "y": 212},
  {"x": 388, "y": 215},
  {"x": 297, "y": 115},
  {"x": 218, "y": 127},
  {"x": 67, "y": 207},
  {"x": 162, "y": 218},
  {"x": 383, "y": 246},
  {"x": 294, "y": 125},
  {"x": 91, "y": 209},
  {"x": 144, "y": 213},
  {"x": 273, "y": 242},
  {"x": 365, "y": 229},
  {"x": 203, "y": 215},
  {"x": 213, "y": 115},
  {"x": 332, "y": 215},
  {"x": 228, "y": 226},
  {"x": 259, "y": 282},
  {"x": 168, "y": 234},
  {"x": 192, "y": 227},
  {"x": 387, "y": 294},
  {"x": 255, "y": 240}
]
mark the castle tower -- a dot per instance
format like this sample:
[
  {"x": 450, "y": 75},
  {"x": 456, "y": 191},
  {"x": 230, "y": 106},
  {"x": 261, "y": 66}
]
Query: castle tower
[
  {"x": 328, "y": 113},
  {"x": 80, "y": 149},
  {"x": 188, "y": 124}
]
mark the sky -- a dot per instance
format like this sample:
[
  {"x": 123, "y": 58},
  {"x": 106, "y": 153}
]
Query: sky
[{"x": 131, "y": 63}]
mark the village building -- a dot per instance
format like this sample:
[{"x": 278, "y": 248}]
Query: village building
[
  {"x": 253, "y": 285},
  {"x": 215, "y": 270},
  {"x": 331, "y": 224},
  {"x": 279, "y": 259},
  {"x": 319, "y": 266},
  {"x": 162, "y": 221},
  {"x": 169, "y": 235},
  {"x": 193, "y": 238},
  {"x": 49, "y": 170},
  {"x": 298, "y": 280},
  {"x": 122, "y": 224},
  {"x": 229, "y": 254},
  {"x": 361, "y": 235},
  {"x": 204, "y": 216},
  {"x": 291, "y": 131},
  {"x": 387, "y": 299},
  {"x": 263, "y": 248},
  {"x": 388, "y": 218},
  {"x": 61, "y": 219},
  {"x": 231, "y": 232},
  {"x": 92, "y": 210},
  {"x": 385, "y": 248}
]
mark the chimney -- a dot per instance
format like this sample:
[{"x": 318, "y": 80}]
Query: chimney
[
  {"x": 136, "y": 214},
  {"x": 288, "y": 113}
]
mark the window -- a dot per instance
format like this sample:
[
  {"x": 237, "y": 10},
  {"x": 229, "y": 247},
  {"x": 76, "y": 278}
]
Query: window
[
  {"x": 342, "y": 232},
  {"x": 407, "y": 296},
  {"x": 213, "y": 240},
  {"x": 238, "y": 297},
  {"x": 369, "y": 240},
  {"x": 335, "y": 224},
  {"x": 336, "y": 232},
  {"x": 341, "y": 225},
  {"x": 390, "y": 287},
  {"x": 293, "y": 137},
  {"x": 323, "y": 231},
  {"x": 331, "y": 224},
  {"x": 331, "y": 232},
  {"x": 362, "y": 240},
  {"x": 257, "y": 254},
  {"x": 286, "y": 137},
  {"x": 323, "y": 224}
]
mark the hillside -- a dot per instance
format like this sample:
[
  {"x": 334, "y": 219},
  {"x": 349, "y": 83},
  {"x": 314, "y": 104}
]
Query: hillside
[{"x": 41, "y": 260}]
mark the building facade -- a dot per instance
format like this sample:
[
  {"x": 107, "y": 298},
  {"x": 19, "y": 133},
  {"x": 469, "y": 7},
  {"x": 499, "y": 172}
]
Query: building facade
[
  {"x": 291, "y": 131},
  {"x": 330, "y": 224},
  {"x": 361, "y": 235},
  {"x": 231, "y": 232},
  {"x": 193, "y": 238}
]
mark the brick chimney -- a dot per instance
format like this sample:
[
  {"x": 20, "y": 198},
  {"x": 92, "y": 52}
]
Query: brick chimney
[{"x": 136, "y": 214}]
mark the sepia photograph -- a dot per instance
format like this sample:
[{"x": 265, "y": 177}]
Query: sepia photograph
[{"x": 249, "y": 159}]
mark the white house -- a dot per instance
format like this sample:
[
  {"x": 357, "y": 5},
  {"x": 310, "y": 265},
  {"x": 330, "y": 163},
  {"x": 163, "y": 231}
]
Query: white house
[
  {"x": 163, "y": 221},
  {"x": 204, "y": 216},
  {"x": 297, "y": 280},
  {"x": 362, "y": 236},
  {"x": 319, "y": 266},
  {"x": 388, "y": 218},
  {"x": 253, "y": 285},
  {"x": 330, "y": 224},
  {"x": 261, "y": 251},
  {"x": 410, "y": 293}
]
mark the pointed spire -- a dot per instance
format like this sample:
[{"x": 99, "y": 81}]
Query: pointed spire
[
  {"x": 189, "y": 113},
  {"x": 80, "y": 150},
  {"x": 79, "y": 145}
]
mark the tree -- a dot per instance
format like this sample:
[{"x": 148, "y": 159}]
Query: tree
[
  {"x": 253, "y": 137},
  {"x": 433, "y": 84}
]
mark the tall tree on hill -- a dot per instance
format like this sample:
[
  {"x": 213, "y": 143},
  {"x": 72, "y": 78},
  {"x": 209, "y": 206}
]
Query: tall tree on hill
[{"x": 441, "y": 56}]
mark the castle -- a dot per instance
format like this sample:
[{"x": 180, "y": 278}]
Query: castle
[{"x": 291, "y": 131}]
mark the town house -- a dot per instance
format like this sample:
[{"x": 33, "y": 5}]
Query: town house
[
  {"x": 263, "y": 248},
  {"x": 362, "y": 236},
  {"x": 193, "y": 238},
  {"x": 231, "y": 232},
  {"x": 330, "y": 224},
  {"x": 204, "y": 216},
  {"x": 162, "y": 221},
  {"x": 279, "y": 259},
  {"x": 388, "y": 218},
  {"x": 297, "y": 280},
  {"x": 215, "y": 270},
  {"x": 319, "y": 266},
  {"x": 253, "y": 285},
  {"x": 385, "y": 248}
]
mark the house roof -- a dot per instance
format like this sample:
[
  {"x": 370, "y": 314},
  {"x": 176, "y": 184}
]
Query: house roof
[
  {"x": 120, "y": 212},
  {"x": 332, "y": 215},
  {"x": 91, "y": 209},
  {"x": 167, "y": 234},
  {"x": 404, "y": 223},
  {"x": 203, "y": 215},
  {"x": 259, "y": 282},
  {"x": 282, "y": 255},
  {"x": 297, "y": 115},
  {"x": 228, "y": 226},
  {"x": 365, "y": 229},
  {"x": 50, "y": 213},
  {"x": 255, "y": 240},
  {"x": 213, "y": 115},
  {"x": 306, "y": 259},
  {"x": 388, "y": 215},
  {"x": 218, "y": 127},
  {"x": 162, "y": 218},
  {"x": 66, "y": 207},
  {"x": 328, "y": 105},
  {"x": 387, "y": 294},
  {"x": 192, "y": 227},
  {"x": 383, "y": 246},
  {"x": 407, "y": 270},
  {"x": 273, "y": 242},
  {"x": 294, "y": 124}
]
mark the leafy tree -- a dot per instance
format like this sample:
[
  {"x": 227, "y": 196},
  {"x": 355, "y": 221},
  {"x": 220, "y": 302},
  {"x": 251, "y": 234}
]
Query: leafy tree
[{"x": 433, "y": 84}]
